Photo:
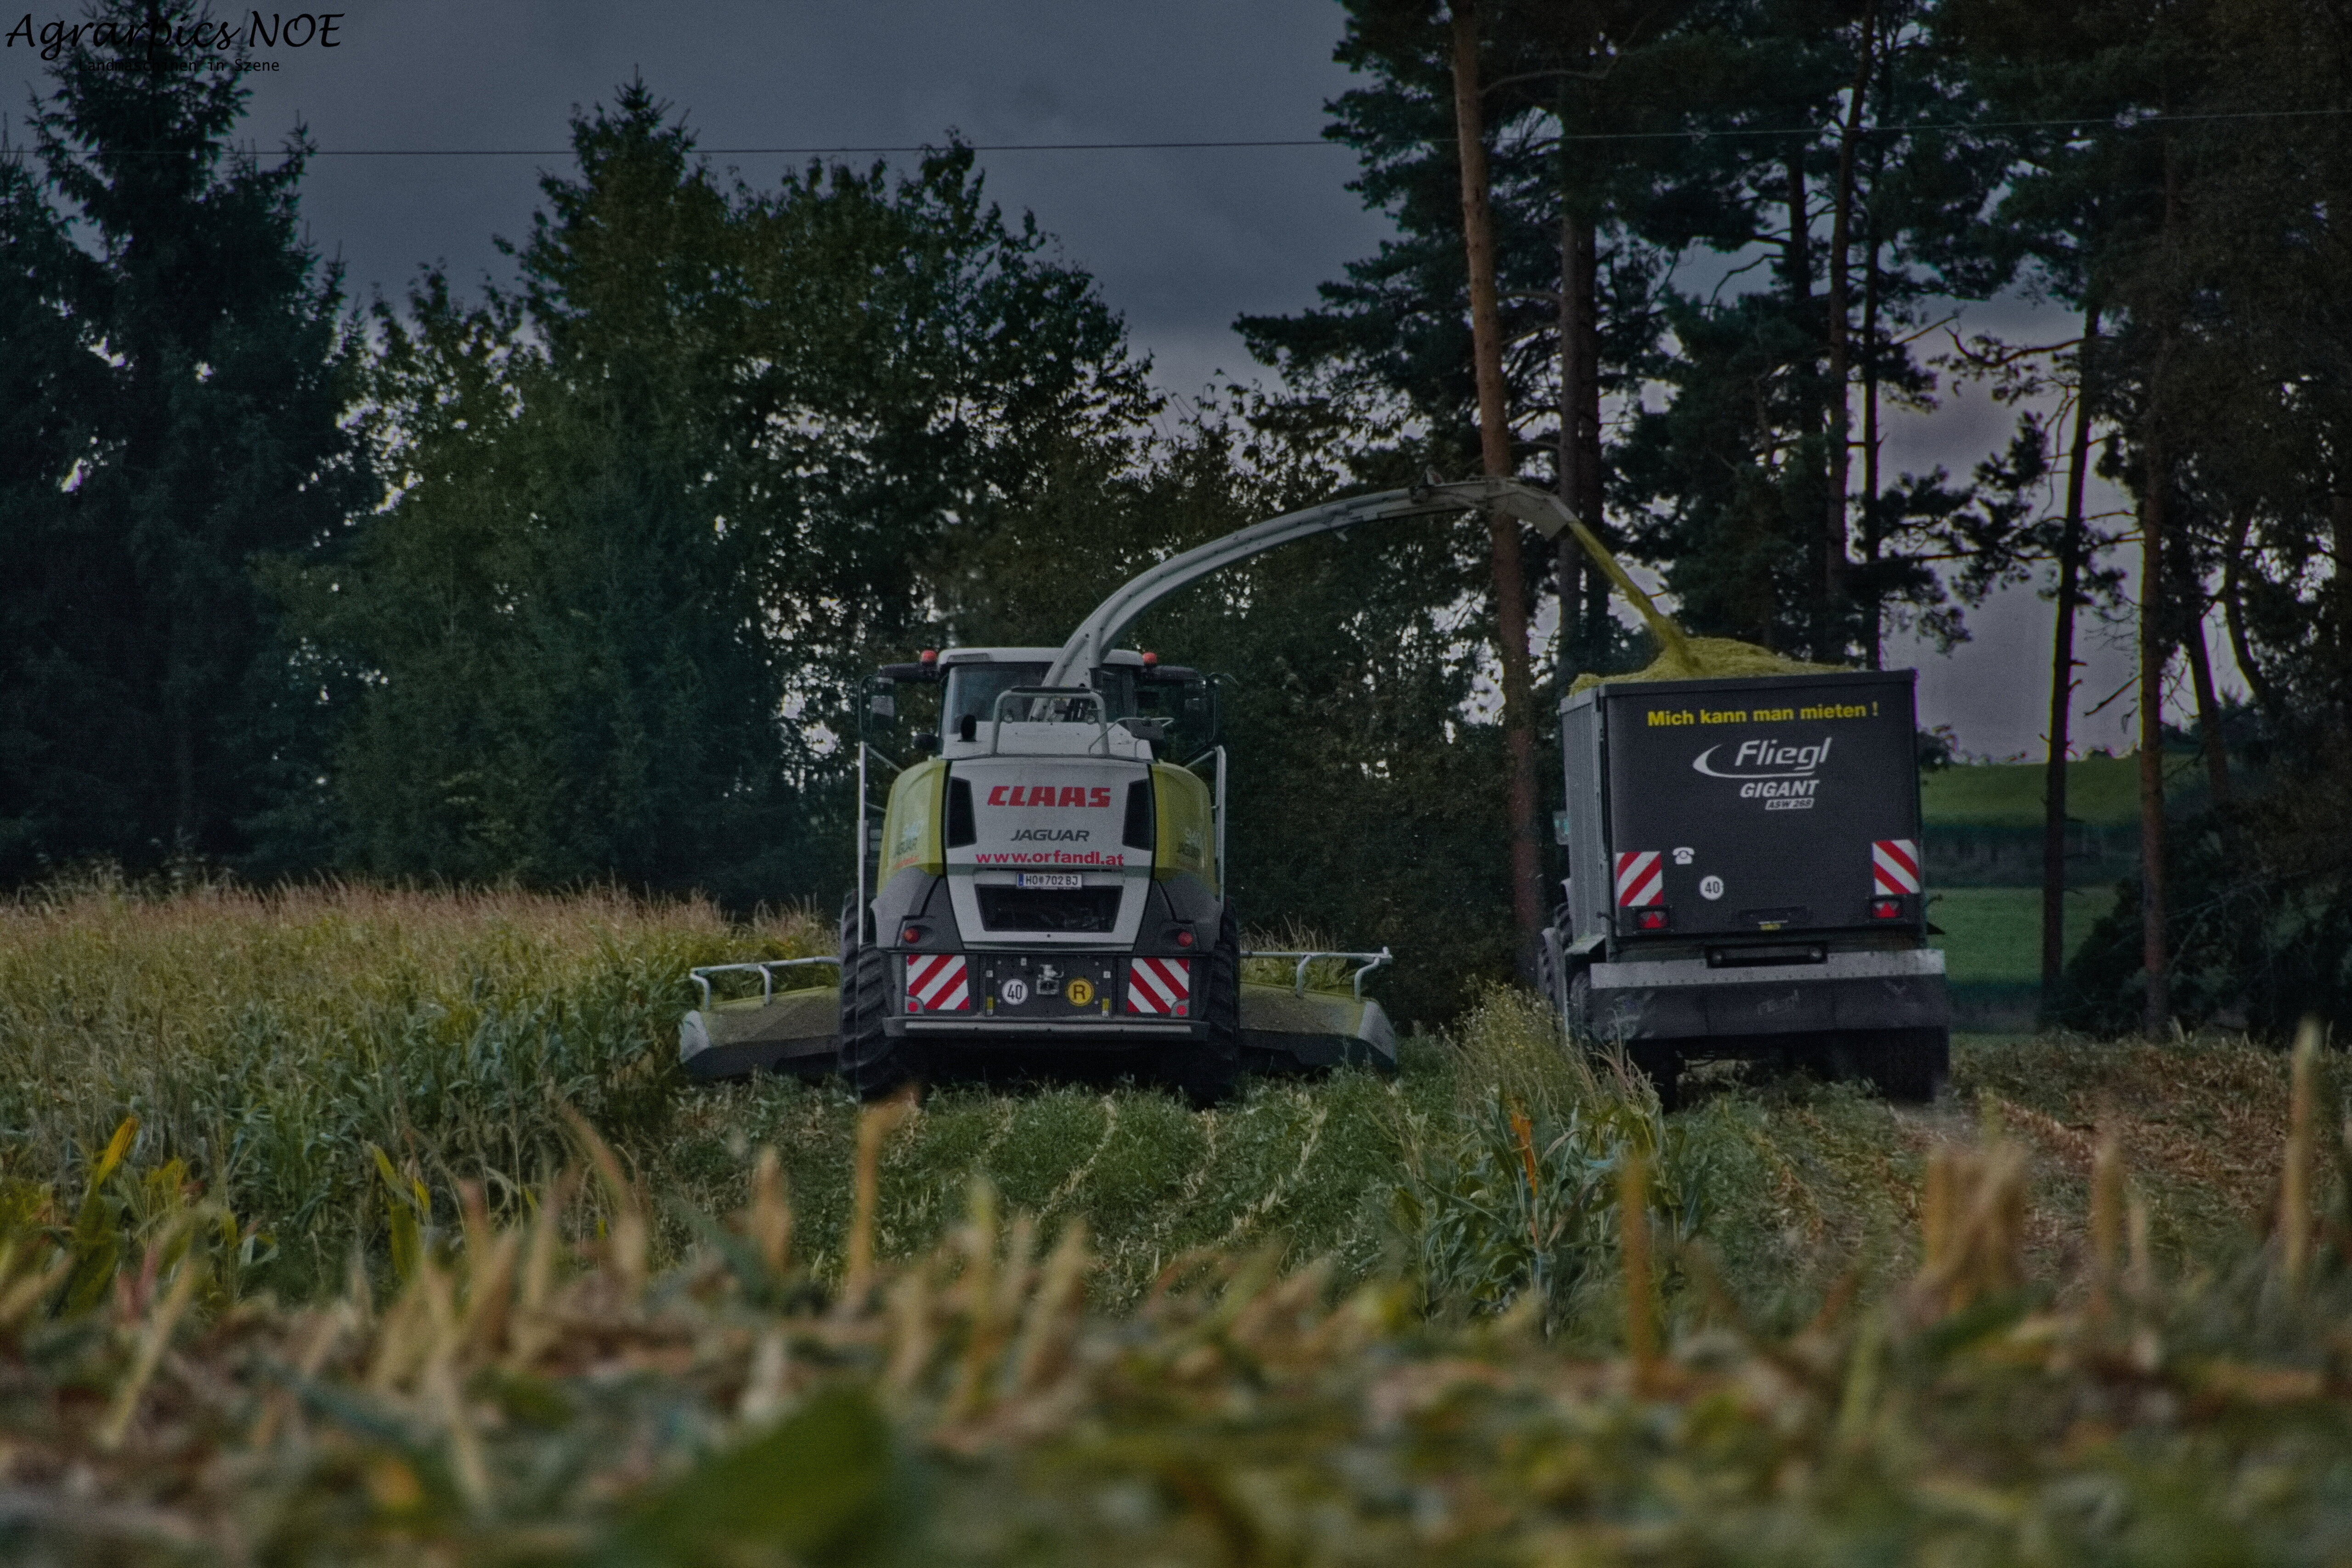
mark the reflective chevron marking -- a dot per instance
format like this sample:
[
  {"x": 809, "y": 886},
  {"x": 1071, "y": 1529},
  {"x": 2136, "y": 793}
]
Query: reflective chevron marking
[
  {"x": 1641, "y": 878},
  {"x": 1162, "y": 987},
  {"x": 937, "y": 983},
  {"x": 1895, "y": 865}
]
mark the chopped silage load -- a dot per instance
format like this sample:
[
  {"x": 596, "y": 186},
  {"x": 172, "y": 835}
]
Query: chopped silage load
[
  {"x": 1707, "y": 657},
  {"x": 1682, "y": 657}
]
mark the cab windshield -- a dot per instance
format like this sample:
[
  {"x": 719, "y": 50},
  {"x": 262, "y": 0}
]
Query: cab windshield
[{"x": 974, "y": 689}]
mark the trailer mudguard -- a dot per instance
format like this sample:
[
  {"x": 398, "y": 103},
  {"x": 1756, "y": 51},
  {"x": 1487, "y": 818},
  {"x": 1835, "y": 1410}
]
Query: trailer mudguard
[{"x": 1686, "y": 1000}]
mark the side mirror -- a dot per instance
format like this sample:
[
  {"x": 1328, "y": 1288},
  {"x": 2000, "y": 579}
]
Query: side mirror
[{"x": 882, "y": 705}]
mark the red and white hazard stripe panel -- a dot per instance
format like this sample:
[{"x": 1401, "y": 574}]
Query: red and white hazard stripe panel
[
  {"x": 1893, "y": 865},
  {"x": 1161, "y": 987},
  {"x": 938, "y": 983},
  {"x": 1641, "y": 879}
]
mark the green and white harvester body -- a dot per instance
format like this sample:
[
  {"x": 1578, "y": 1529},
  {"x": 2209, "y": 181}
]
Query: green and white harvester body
[{"x": 1048, "y": 880}]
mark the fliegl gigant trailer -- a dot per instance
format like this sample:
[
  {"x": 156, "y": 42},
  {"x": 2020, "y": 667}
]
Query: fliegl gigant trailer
[
  {"x": 1744, "y": 877},
  {"x": 1049, "y": 881}
]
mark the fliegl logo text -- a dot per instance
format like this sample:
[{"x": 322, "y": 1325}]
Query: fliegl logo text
[{"x": 1783, "y": 775}]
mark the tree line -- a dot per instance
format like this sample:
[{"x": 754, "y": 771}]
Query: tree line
[{"x": 573, "y": 578}]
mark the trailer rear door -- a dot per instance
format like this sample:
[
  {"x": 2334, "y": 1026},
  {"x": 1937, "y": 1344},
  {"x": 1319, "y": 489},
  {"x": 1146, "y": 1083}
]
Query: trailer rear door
[{"x": 1761, "y": 805}]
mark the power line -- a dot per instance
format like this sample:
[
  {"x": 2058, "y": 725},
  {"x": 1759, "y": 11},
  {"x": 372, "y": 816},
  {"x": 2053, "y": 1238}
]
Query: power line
[
  {"x": 741, "y": 151},
  {"x": 1689, "y": 134}
]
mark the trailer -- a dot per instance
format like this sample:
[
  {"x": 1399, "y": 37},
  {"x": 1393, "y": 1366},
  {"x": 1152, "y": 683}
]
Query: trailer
[{"x": 1744, "y": 879}]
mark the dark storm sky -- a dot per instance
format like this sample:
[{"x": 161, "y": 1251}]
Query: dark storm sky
[{"x": 1182, "y": 241}]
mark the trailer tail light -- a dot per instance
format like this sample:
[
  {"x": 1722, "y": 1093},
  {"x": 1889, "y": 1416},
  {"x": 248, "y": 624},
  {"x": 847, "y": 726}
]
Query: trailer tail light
[
  {"x": 1886, "y": 909},
  {"x": 1184, "y": 939},
  {"x": 1654, "y": 918},
  {"x": 911, "y": 935}
]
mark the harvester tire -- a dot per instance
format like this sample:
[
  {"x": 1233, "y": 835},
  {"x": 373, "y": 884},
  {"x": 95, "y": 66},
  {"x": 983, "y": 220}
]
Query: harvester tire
[
  {"x": 876, "y": 1065},
  {"x": 1208, "y": 1071}
]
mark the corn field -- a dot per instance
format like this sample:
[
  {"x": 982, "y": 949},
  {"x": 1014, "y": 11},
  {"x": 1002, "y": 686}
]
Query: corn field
[{"x": 2090, "y": 1309}]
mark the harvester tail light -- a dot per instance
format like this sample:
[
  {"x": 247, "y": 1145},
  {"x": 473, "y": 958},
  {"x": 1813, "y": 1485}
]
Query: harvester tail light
[
  {"x": 1654, "y": 918},
  {"x": 1886, "y": 909}
]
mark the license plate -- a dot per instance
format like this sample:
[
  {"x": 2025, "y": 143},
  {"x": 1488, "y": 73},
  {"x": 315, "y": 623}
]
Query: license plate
[{"x": 1054, "y": 880}]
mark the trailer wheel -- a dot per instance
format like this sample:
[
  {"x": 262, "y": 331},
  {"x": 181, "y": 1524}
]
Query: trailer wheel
[
  {"x": 876, "y": 1065},
  {"x": 1207, "y": 1071},
  {"x": 1662, "y": 1064},
  {"x": 1909, "y": 1066}
]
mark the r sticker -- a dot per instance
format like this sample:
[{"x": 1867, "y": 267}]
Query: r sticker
[{"x": 1080, "y": 992}]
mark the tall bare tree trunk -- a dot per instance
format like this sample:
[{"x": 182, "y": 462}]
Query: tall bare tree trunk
[
  {"x": 2061, "y": 686},
  {"x": 2155, "y": 629},
  {"x": 1874, "y": 628},
  {"x": 1495, "y": 448},
  {"x": 1580, "y": 417},
  {"x": 2155, "y": 954},
  {"x": 1797, "y": 261},
  {"x": 2340, "y": 516},
  {"x": 1833, "y": 541}
]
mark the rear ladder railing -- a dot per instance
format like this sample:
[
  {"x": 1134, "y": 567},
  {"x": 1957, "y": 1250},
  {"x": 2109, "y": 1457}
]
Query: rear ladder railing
[{"x": 766, "y": 966}]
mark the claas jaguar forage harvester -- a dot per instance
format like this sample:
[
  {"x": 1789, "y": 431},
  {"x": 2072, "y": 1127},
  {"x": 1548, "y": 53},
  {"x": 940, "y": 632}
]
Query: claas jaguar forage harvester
[{"x": 1050, "y": 877}]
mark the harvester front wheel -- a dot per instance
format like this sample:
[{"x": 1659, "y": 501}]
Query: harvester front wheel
[
  {"x": 1207, "y": 1071},
  {"x": 876, "y": 1065}
]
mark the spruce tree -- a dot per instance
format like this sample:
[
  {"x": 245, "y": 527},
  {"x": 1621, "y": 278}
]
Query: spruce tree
[{"x": 191, "y": 345}]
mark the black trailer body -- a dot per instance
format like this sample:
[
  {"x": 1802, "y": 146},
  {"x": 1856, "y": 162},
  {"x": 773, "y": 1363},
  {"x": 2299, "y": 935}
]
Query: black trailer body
[{"x": 1745, "y": 875}]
